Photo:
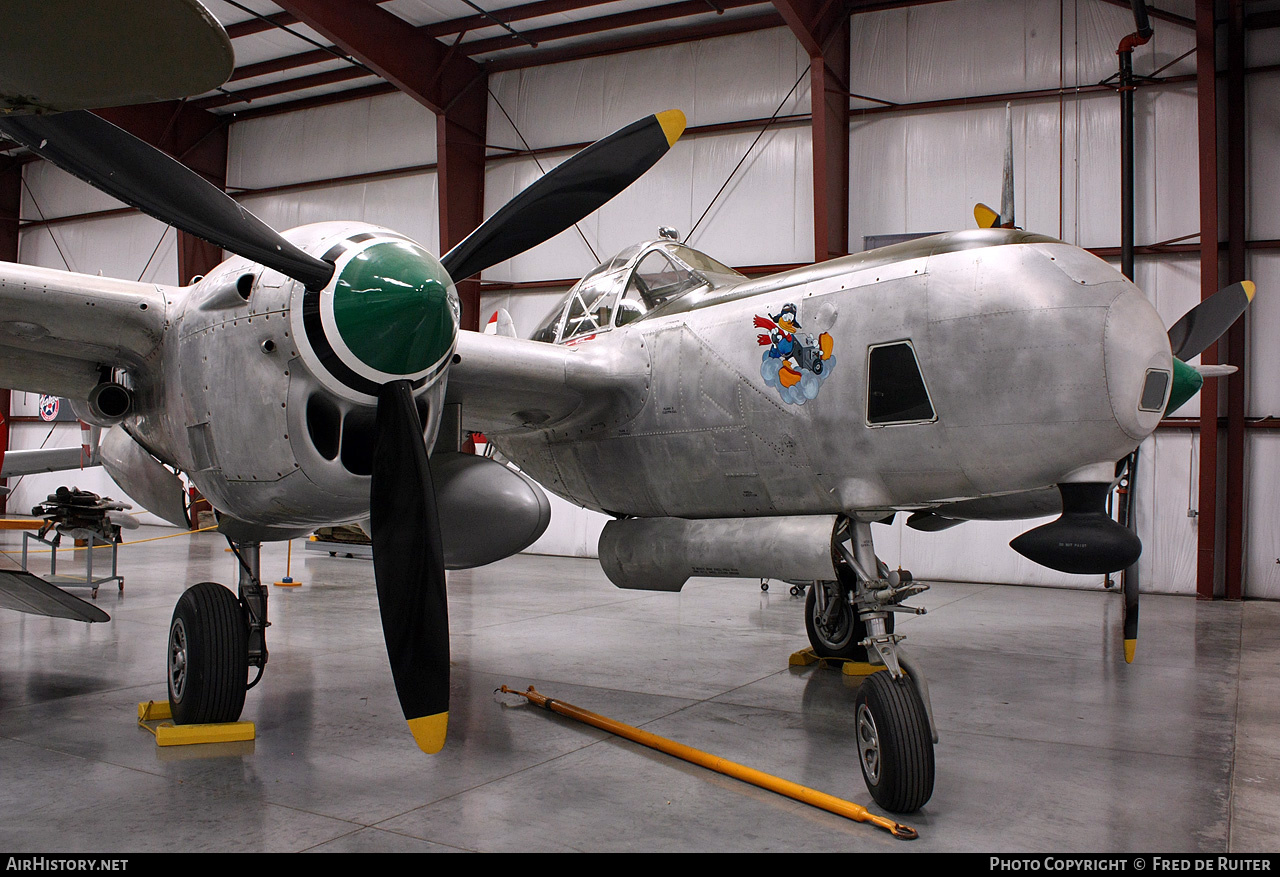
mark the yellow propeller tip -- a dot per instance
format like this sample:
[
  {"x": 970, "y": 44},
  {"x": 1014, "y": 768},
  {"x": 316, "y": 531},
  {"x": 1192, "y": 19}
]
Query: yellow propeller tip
[
  {"x": 429, "y": 731},
  {"x": 673, "y": 123},
  {"x": 1130, "y": 646},
  {"x": 1249, "y": 288},
  {"x": 984, "y": 215}
]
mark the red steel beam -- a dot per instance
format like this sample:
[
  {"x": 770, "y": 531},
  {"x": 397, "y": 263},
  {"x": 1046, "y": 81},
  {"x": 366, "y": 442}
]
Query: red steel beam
[
  {"x": 423, "y": 68},
  {"x": 585, "y": 27},
  {"x": 460, "y": 158},
  {"x": 248, "y": 95},
  {"x": 442, "y": 28},
  {"x": 717, "y": 27},
  {"x": 822, "y": 27},
  {"x": 1236, "y": 270},
  {"x": 1207, "y": 126},
  {"x": 600, "y": 24}
]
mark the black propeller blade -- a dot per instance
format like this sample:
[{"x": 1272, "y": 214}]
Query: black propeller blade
[
  {"x": 140, "y": 175},
  {"x": 1129, "y": 519},
  {"x": 566, "y": 194},
  {"x": 408, "y": 564},
  {"x": 1209, "y": 320}
]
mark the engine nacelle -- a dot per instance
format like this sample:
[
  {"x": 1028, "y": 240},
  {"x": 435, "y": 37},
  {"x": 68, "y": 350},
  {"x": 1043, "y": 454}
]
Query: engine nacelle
[
  {"x": 278, "y": 383},
  {"x": 661, "y": 554},
  {"x": 487, "y": 511},
  {"x": 143, "y": 477}
]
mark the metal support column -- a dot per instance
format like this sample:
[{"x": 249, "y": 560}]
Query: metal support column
[
  {"x": 1207, "y": 119},
  {"x": 829, "y": 96},
  {"x": 1236, "y": 270},
  {"x": 823, "y": 30},
  {"x": 460, "y": 155},
  {"x": 10, "y": 206}
]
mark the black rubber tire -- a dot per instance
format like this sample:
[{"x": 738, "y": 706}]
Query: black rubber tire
[
  {"x": 208, "y": 662},
  {"x": 895, "y": 745},
  {"x": 846, "y": 631}
]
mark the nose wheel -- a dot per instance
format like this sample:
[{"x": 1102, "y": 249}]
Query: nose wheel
[
  {"x": 851, "y": 618},
  {"x": 895, "y": 747},
  {"x": 208, "y": 659},
  {"x": 215, "y": 635}
]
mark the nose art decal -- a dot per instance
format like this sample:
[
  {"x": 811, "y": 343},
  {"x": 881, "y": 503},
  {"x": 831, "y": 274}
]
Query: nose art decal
[{"x": 796, "y": 363}]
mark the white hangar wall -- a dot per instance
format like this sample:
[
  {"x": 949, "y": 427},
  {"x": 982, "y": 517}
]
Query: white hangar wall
[{"x": 910, "y": 171}]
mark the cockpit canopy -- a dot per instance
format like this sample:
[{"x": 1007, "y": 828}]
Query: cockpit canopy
[{"x": 633, "y": 285}]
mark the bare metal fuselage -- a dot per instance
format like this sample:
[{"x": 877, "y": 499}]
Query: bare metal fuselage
[{"x": 1033, "y": 352}]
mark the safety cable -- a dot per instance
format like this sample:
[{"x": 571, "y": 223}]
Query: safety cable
[
  {"x": 153, "y": 252},
  {"x": 772, "y": 119},
  {"x": 534, "y": 156},
  {"x": 52, "y": 236}
]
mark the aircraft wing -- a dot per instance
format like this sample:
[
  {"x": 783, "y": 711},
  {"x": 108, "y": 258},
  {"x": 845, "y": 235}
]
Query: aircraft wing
[
  {"x": 58, "y": 330},
  {"x": 509, "y": 384}
]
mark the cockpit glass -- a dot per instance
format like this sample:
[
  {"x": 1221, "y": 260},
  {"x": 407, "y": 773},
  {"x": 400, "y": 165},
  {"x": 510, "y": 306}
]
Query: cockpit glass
[{"x": 621, "y": 290}]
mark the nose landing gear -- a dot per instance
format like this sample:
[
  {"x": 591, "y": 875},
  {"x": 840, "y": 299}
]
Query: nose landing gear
[
  {"x": 214, "y": 637},
  {"x": 851, "y": 618}
]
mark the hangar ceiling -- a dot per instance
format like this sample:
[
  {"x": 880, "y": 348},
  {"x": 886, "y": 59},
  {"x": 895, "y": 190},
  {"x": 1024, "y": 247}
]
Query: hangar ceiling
[{"x": 283, "y": 60}]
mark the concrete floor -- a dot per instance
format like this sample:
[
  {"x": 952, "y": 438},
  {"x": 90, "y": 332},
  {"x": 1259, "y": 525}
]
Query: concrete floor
[{"x": 1048, "y": 741}]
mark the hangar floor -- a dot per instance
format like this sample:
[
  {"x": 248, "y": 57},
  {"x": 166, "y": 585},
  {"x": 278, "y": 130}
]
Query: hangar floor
[{"x": 1048, "y": 741}]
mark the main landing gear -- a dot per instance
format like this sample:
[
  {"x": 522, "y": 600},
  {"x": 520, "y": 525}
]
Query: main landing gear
[
  {"x": 851, "y": 618},
  {"x": 214, "y": 638}
]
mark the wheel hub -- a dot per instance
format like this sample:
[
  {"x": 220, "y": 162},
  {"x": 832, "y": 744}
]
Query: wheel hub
[
  {"x": 177, "y": 659},
  {"x": 835, "y": 626},
  {"x": 868, "y": 744}
]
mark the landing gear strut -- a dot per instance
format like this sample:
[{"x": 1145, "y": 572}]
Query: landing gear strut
[
  {"x": 214, "y": 637},
  {"x": 851, "y": 618}
]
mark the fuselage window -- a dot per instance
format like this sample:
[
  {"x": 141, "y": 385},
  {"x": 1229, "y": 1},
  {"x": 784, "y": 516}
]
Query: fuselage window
[
  {"x": 1154, "y": 389},
  {"x": 895, "y": 388}
]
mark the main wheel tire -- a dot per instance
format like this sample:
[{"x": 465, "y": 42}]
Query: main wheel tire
[
  {"x": 895, "y": 745},
  {"x": 839, "y": 635},
  {"x": 208, "y": 656}
]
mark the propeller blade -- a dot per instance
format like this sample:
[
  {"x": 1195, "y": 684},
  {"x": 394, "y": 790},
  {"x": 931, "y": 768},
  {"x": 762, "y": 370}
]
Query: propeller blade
[
  {"x": 59, "y": 55},
  {"x": 566, "y": 194},
  {"x": 1209, "y": 320},
  {"x": 1130, "y": 613},
  {"x": 138, "y": 174},
  {"x": 1129, "y": 517},
  {"x": 985, "y": 216},
  {"x": 408, "y": 565},
  {"x": 1006, "y": 179}
]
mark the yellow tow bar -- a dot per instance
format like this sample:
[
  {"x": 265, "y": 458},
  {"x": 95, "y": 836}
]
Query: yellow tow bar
[{"x": 795, "y": 791}]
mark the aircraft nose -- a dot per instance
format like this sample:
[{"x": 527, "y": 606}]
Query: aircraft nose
[{"x": 1139, "y": 364}]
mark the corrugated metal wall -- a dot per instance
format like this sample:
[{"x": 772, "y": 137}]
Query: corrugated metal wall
[{"x": 910, "y": 171}]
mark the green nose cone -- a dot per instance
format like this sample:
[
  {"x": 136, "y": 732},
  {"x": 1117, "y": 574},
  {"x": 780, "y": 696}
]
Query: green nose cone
[
  {"x": 1186, "y": 383},
  {"x": 393, "y": 308}
]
